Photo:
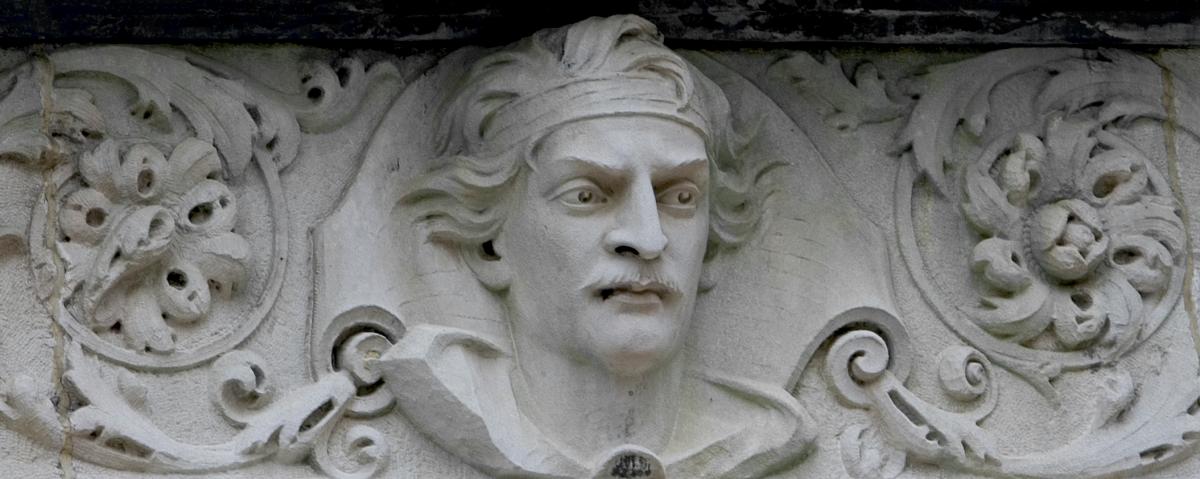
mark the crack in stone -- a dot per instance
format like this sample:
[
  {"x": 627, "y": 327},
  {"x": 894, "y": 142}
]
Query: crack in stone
[
  {"x": 44, "y": 74},
  {"x": 1169, "y": 132}
]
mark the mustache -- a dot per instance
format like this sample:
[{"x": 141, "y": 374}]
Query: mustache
[{"x": 608, "y": 277}]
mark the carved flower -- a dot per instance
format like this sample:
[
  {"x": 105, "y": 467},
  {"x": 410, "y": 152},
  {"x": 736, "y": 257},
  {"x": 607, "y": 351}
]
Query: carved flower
[
  {"x": 1021, "y": 169},
  {"x": 148, "y": 240},
  {"x": 1067, "y": 239},
  {"x": 1075, "y": 236}
]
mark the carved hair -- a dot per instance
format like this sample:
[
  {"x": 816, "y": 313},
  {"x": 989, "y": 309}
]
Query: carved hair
[{"x": 511, "y": 99}]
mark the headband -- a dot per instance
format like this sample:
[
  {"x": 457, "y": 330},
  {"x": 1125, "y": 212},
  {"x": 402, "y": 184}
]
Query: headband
[{"x": 590, "y": 97}]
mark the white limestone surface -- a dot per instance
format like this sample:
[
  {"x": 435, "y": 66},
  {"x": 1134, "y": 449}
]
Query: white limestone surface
[{"x": 586, "y": 254}]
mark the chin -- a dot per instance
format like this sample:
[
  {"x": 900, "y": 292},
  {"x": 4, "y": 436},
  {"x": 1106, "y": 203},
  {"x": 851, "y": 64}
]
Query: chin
[{"x": 635, "y": 346}]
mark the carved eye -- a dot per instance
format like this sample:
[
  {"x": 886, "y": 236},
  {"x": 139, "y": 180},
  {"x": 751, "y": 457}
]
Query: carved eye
[
  {"x": 581, "y": 194},
  {"x": 682, "y": 196}
]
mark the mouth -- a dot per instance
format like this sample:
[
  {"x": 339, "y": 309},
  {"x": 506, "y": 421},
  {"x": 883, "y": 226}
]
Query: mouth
[{"x": 635, "y": 293}]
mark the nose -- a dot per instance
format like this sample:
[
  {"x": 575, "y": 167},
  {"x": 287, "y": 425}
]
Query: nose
[{"x": 638, "y": 231}]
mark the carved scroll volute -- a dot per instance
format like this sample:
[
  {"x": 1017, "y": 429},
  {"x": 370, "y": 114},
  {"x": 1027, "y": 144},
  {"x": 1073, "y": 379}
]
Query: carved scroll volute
[
  {"x": 137, "y": 243},
  {"x": 159, "y": 243},
  {"x": 1076, "y": 250},
  {"x": 353, "y": 343},
  {"x": 868, "y": 342},
  {"x": 861, "y": 366},
  {"x": 1078, "y": 240},
  {"x": 139, "y": 250}
]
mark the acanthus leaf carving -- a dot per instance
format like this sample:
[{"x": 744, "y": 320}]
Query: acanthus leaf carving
[
  {"x": 1075, "y": 254},
  {"x": 1131, "y": 433},
  {"x": 337, "y": 91},
  {"x": 867, "y": 455},
  {"x": 149, "y": 241},
  {"x": 218, "y": 110},
  {"x": 37, "y": 127},
  {"x": 1078, "y": 252},
  {"x": 108, "y": 429},
  {"x": 330, "y": 91},
  {"x": 1135, "y": 427},
  {"x": 857, "y": 363},
  {"x": 956, "y": 99},
  {"x": 847, "y": 101},
  {"x": 136, "y": 235}
]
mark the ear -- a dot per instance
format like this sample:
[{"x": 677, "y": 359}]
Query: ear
[{"x": 489, "y": 266}]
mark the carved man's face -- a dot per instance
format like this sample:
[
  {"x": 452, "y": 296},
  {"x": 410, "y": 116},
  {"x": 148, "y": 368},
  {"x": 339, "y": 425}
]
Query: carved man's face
[{"x": 606, "y": 241}]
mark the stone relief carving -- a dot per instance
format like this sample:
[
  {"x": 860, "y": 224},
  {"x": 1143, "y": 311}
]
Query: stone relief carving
[
  {"x": 1079, "y": 248},
  {"x": 615, "y": 172},
  {"x": 135, "y": 246},
  {"x": 1078, "y": 229},
  {"x": 585, "y": 254},
  {"x": 845, "y": 104},
  {"x": 557, "y": 130},
  {"x": 144, "y": 238},
  {"x": 124, "y": 225}
]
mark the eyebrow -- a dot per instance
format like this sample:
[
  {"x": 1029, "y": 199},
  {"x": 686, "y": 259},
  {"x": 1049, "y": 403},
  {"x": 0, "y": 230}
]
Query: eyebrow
[
  {"x": 595, "y": 165},
  {"x": 686, "y": 167},
  {"x": 611, "y": 173},
  {"x": 592, "y": 165}
]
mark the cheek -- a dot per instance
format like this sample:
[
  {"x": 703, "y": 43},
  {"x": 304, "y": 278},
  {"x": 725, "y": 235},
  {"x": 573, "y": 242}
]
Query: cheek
[
  {"x": 552, "y": 247},
  {"x": 688, "y": 237}
]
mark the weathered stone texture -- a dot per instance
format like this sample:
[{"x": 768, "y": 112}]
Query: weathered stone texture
[{"x": 592, "y": 254}]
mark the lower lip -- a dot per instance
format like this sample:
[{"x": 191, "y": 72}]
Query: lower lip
[{"x": 645, "y": 298}]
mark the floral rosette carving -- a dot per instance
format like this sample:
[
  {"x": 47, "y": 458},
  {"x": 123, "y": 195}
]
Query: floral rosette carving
[
  {"x": 1078, "y": 234},
  {"x": 148, "y": 240},
  {"x": 1050, "y": 162},
  {"x": 144, "y": 156},
  {"x": 1036, "y": 220},
  {"x": 135, "y": 161}
]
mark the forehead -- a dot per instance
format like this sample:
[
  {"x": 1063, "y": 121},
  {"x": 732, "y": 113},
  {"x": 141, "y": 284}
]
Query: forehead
[{"x": 624, "y": 142}]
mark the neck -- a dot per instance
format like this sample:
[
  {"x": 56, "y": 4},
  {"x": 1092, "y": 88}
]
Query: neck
[{"x": 581, "y": 405}]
